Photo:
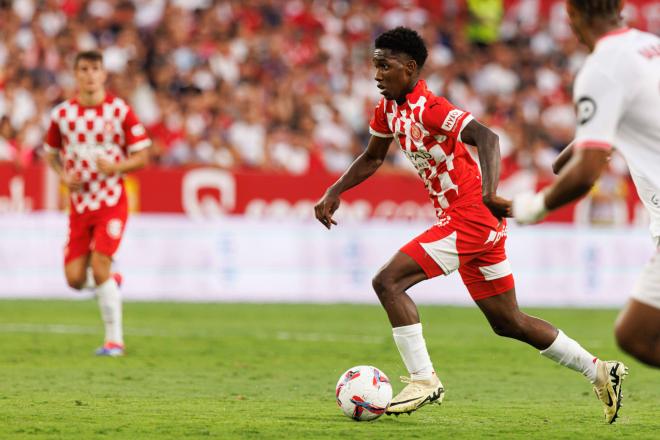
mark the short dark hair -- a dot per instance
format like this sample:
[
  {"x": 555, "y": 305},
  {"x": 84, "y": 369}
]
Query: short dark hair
[
  {"x": 89, "y": 55},
  {"x": 597, "y": 8},
  {"x": 404, "y": 40}
]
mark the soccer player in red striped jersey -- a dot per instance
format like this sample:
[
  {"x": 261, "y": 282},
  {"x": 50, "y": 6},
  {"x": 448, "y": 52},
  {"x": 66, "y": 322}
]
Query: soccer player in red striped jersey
[
  {"x": 93, "y": 139},
  {"x": 470, "y": 233}
]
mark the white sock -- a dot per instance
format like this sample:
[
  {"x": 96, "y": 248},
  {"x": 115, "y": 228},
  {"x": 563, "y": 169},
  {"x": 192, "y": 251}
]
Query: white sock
[
  {"x": 410, "y": 342},
  {"x": 569, "y": 353},
  {"x": 110, "y": 304}
]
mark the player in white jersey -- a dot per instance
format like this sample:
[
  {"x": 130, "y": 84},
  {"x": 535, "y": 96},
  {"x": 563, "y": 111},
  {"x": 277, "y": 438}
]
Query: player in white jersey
[
  {"x": 617, "y": 97},
  {"x": 93, "y": 139}
]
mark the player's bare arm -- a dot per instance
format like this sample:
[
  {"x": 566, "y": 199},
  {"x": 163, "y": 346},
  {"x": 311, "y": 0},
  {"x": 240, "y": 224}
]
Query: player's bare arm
[
  {"x": 134, "y": 162},
  {"x": 364, "y": 166},
  {"x": 577, "y": 177},
  {"x": 562, "y": 159},
  {"x": 488, "y": 145},
  {"x": 69, "y": 180},
  {"x": 575, "y": 180}
]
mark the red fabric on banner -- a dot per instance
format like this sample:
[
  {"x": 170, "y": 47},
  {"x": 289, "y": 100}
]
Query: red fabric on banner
[
  {"x": 211, "y": 191},
  {"x": 21, "y": 190}
]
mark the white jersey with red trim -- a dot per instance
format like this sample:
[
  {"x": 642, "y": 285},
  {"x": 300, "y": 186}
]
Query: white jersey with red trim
[
  {"x": 428, "y": 128},
  {"x": 84, "y": 134},
  {"x": 617, "y": 99}
]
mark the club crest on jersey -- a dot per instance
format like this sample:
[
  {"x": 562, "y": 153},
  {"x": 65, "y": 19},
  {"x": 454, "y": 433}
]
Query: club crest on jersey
[
  {"x": 138, "y": 130},
  {"x": 415, "y": 133},
  {"x": 108, "y": 127},
  {"x": 114, "y": 228}
]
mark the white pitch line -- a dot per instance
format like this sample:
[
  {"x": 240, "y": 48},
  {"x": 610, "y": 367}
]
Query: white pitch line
[
  {"x": 65, "y": 329},
  {"x": 328, "y": 337},
  {"x": 48, "y": 328},
  {"x": 280, "y": 336}
]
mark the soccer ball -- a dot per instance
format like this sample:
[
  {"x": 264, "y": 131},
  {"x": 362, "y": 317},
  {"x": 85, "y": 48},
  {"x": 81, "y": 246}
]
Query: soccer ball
[{"x": 363, "y": 392}]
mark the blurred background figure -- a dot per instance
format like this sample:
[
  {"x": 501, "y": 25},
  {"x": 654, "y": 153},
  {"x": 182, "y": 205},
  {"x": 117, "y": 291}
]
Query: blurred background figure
[{"x": 250, "y": 70}]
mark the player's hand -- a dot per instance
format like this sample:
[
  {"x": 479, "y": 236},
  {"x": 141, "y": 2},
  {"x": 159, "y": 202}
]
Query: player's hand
[
  {"x": 529, "y": 208},
  {"x": 105, "y": 166},
  {"x": 326, "y": 207},
  {"x": 72, "y": 182},
  {"x": 498, "y": 206}
]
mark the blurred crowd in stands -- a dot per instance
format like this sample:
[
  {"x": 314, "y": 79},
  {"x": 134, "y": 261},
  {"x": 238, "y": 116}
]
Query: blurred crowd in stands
[{"x": 286, "y": 85}]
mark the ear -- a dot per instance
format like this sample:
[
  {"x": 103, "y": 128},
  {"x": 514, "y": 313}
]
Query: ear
[{"x": 411, "y": 67}]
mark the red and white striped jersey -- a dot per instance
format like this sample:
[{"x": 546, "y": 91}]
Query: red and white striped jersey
[
  {"x": 83, "y": 134},
  {"x": 428, "y": 128}
]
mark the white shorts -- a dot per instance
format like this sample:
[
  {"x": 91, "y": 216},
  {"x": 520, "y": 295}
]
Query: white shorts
[{"x": 647, "y": 288}]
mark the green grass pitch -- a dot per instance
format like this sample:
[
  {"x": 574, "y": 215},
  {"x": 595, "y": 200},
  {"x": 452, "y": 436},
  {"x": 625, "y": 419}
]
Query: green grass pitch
[{"x": 251, "y": 371}]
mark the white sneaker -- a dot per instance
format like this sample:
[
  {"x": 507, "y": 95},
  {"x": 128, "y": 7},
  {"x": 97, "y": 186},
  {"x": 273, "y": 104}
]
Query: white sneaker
[
  {"x": 415, "y": 395},
  {"x": 608, "y": 387}
]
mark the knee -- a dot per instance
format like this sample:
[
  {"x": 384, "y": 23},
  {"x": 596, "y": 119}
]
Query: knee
[
  {"x": 383, "y": 284},
  {"x": 509, "y": 326},
  {"x": 76, "y": 282}
]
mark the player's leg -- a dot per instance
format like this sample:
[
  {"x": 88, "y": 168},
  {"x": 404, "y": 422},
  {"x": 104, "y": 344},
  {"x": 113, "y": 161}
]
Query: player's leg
[
  {"x": 509, "y": 321},
  {"x": 107, "y": 236},
  {"x": 76, "y": 252},
  {"x": 489, "y": 280},
  {"x": 638, "y": 327},
  {"x": 637, "y": 332},
  {"x": 391, "y": 283},
  {"x": 110, "y": 303},
  {"x": 75, "y": 272},
  {"x": 403, "y": 271}
]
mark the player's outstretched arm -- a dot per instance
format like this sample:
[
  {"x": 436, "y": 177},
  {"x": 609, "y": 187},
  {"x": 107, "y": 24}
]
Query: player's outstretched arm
[
  {"x": 364, "y": 166},
  {"x": 488, "y": 145},
  {"x": 575, "y": 180},
  {"x": 577, "y": 177},
  {"x": 562, "y": 159}
]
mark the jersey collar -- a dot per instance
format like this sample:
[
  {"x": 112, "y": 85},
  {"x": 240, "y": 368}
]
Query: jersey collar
[
  {"x": 612, "y": 33},
  {"x": 417, "y": 91},
  {"x": 108, "y": 98}
]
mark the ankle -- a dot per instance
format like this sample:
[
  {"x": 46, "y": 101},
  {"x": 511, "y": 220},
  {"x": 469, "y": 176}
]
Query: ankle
[{"x": 423, "y": 375}]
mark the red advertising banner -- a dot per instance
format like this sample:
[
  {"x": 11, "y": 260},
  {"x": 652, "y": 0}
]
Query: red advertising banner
[
  {"x": 210, "y": 192},
  {"x": 21, "y": 190}
]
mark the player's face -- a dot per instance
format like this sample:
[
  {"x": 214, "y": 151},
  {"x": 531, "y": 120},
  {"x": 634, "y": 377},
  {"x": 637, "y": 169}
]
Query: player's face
[
  {"x": 394, "y": 74},
  {"x": 90, "y": 75}
]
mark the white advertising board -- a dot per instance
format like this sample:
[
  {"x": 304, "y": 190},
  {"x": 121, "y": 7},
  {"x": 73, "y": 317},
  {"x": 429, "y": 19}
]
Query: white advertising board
[{"x": 171, "y": 257}]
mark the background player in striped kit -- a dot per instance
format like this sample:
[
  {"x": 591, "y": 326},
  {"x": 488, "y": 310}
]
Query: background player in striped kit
[{"x": 93, "y": 139}]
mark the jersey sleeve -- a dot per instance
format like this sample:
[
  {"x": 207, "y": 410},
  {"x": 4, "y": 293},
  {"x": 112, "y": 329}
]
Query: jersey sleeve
[
  {"x": 598, "y": 101},
  {"x": 135, "y": 133},
  {"x": 378, "y": 125},
  {"x": 442, "y": 116},
  {"x": 53, "y": 141}
]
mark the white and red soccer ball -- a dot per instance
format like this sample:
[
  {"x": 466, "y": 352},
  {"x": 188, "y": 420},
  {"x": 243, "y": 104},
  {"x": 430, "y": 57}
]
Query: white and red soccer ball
[{"x": 363, "y": 392}]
